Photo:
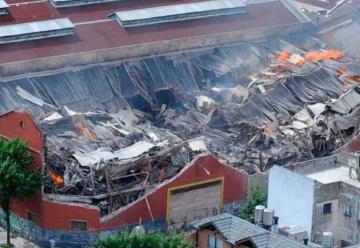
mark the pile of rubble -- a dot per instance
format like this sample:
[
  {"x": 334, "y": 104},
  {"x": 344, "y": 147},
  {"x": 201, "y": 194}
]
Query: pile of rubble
[{"x": 251, "y": 105}]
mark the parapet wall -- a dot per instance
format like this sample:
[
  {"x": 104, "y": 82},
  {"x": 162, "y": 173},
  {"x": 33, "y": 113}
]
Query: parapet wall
[{"x": 8, "y": 71}]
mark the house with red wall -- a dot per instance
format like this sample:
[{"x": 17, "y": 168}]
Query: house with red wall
[
  {"x": 228, "y": 231},
  {"x": 204, "y": 187}
]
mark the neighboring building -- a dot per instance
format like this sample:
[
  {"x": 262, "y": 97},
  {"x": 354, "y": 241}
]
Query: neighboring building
[
  {"x": 228, "y": 231},
  {"x": 217, "y": 187},
  {"x": 102, "y": 33},
  {"x": 321, "y": 195},
  {"x": 321, "y": 7}
]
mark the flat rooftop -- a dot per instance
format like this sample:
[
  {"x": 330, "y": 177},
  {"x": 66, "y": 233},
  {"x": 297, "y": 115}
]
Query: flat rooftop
[
  {"x": 94, "y": 31},
  {"x": 333, "y": 175},
  {"x": 331, "y": 169},
  {"x": 328, "y": 4}
]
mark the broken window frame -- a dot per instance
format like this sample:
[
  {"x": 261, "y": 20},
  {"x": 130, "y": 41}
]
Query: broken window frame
[
  {"x": 78, "y": 222},
  {"x": 31, "y": 216},
  {"x": 347, "y": 210}
]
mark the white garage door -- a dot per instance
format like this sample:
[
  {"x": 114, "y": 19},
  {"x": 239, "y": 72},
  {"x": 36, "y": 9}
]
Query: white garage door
[{"x": 195, "y": 202}]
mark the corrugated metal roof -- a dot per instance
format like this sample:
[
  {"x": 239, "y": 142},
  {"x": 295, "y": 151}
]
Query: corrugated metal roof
[
  {"x": 107, "y": 35},
  {"x": 35, "y": 30},
  {"x": 3, "y": 4},
  {"x": 134, "y": 150},
  {"x": 179, "y": 12},
  {"x": 94, "y": 157},
  {"x": 235, "y": 229},
  {"x": 71, "y": 3}
]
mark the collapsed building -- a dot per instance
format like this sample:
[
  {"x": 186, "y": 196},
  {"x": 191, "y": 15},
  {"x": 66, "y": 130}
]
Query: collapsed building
[
  {"x": 109, "y": 150},
  {"x": 71, "y": 211},
  {"x": 128, "y": 142}
]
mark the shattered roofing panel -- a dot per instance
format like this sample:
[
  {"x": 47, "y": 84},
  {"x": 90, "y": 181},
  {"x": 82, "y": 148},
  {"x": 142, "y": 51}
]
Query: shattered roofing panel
[
  {"x": 133, "y": 151},
  {"x": 95, "y": 157},
  {"x": 347, "y": 102},
  {"x": 140, "y": 121}
]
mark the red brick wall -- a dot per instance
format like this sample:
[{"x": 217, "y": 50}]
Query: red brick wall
[
  {"x": 203, "y": 239},
  {"x": 50, "y": 215},
  {"x": 10, "y": 127},
  {"x": 235, "y": 188},
  {"x": 53, "y": 215},
  {"x": 59, "y": 215}
]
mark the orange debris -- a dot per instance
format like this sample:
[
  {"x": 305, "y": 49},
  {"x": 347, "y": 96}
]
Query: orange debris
[
  {"x": 57, "y": 180},
  {"x": 82, "y": 130},
  {"x": 355, "y": 78},
  {"x": 316, "y": 56},
  {"x": 283, "y": 56}
]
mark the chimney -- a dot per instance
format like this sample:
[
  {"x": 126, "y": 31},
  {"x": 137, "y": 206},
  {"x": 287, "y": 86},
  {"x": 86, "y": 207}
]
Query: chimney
[
  {"x": 275, "y": 225},
  {"x": 252, "y": 220},
  {"x": 306, "y": 241},
  {"x": 327, "y": 240}
]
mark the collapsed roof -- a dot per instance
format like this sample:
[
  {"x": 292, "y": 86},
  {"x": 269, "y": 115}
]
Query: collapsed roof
[{"x": 115, "y": 131}]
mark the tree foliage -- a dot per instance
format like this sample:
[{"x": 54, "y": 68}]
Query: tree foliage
[
  {"x": 149, "y": 240},
  {"x": 17, "y": 180},
  {"x": 257, "y": 198}
]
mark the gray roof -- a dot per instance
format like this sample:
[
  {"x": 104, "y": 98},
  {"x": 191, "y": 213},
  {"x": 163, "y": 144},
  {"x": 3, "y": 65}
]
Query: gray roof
[
  {"x": 354, "y": 246},
  {"x": 73, "y": 3},
  {"x": 347, "y": 102},
  {"x": 35, "y": 30},
  {"x": 235, "y": 229},
  {"x": 3, "y": 4},
  {"x": 179, "y": 12}
]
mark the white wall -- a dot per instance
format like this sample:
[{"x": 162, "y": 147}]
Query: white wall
[{"x": 292, "y": 197}]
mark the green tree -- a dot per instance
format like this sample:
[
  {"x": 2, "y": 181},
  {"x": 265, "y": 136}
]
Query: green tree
[
  {"x": 17, "y": 180},
  {"x": 257, "y": 198},
  {"x": 149, "y": 240}
]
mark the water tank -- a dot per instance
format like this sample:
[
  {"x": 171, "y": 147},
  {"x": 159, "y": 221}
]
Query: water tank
[
  {"x": 138, "y": 230},
  {"x": 258, "y": 218},
  {"x": 327, "y": 240},
  {"x": 268, "y": 216}
]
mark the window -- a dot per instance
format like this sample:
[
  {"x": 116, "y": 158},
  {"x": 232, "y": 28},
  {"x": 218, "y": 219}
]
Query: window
[
  {"x": 22, "y": 124},
  {"x": 214, "y": 242},
  {"x": 344, "y": 243},
  {"x": 78, "y": 225},
  {"x": 327, "y": 208},
  {"x": 218, "y": 243},
  {"x": 31, "y": 216},
  {"x": 347, "y": 210}
]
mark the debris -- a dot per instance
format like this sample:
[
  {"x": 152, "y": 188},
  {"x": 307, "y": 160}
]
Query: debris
[
  {"x": 250, "y": 105},
  {"x": 316, "y": 56}
]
